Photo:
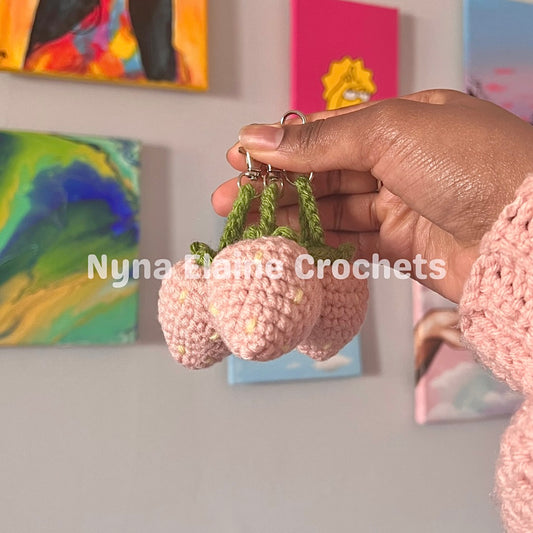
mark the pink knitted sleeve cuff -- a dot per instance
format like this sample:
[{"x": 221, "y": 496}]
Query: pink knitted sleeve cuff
[{"x": 497, "y": 304}]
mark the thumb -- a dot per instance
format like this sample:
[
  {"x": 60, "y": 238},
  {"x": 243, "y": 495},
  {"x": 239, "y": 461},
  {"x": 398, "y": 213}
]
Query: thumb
[
  {"x": 346, "y": 141},
  {"x": 355, "y": 138}
]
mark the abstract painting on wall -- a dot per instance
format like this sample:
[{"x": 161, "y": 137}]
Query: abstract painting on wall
[
  {"x": 296, "y": 366},
  {"x": 62, "y": 200},
  {"x": 450, "y": 384},
  {"x": 343, "y": 53},
  {"x": 149, "y": 42},
  {"x": 498, "y": 60},
  {"x": 498, "y": 67}
]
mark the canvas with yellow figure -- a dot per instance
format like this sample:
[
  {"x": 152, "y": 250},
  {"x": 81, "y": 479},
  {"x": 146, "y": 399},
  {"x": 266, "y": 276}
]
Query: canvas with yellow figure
[
  {"x": 343, "y": 54},
  {"x": 347, "y": 83},
  {"x": 156, "y": 42}
]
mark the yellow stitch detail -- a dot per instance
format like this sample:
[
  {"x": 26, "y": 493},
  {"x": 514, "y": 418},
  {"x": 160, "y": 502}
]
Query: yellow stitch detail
[
  {"x": 258, "y": 255},
  {"x": 181, "y": 349},
  {"x": 299, "y": 296},
  {"x": 214, "y": 337},
  {"x": 183, "y": 296},
  {"x": 250, "y": 325},
  {"x": 327, "y": 346},
  {"x": 213, "y": 310}
]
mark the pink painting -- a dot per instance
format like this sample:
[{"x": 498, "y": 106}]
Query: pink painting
[
  {"x": 450, "y": 384},
  {"x": 343, "y": 53},
  {"x": 498, "y": 67}
]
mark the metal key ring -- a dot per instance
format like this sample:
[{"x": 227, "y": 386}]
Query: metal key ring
[
  {"x": 251, "y": 173},
  {"x": 301, "y": 116},
  {"x": 253, "y": 180},
  {"x": 274, "y": 175}
]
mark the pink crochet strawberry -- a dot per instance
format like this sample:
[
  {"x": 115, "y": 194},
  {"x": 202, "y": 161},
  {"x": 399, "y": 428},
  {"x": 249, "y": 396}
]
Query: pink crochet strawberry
[
  {"x": 256, "y": 303},
  {"x": 259, "y": 312},
  {"x": 186, "y": 323},
  {"x": 343, "y": 312}
]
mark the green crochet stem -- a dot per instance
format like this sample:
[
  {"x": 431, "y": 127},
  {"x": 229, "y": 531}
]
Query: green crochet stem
[
  {"x": 311, "y": 232},
  {"x": 235, "y": 224},
  {"x": 267, "y": 214},
  {"x": 237, "y": 218}
]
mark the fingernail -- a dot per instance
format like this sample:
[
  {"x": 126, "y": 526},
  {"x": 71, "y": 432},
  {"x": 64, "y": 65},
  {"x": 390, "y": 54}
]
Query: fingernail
[{"x": 260, "y": 137}]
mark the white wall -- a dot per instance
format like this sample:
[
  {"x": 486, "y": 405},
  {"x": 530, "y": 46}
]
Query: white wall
[{"x": 124, "y": 440}]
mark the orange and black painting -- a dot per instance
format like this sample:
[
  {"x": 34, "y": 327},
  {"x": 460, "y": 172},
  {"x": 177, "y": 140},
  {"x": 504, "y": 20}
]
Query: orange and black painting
[{"x": 152, "y": 42}]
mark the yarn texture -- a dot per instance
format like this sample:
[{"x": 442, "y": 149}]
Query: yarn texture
[
  {"x": 343, "y": 312},
  {"x": 514, "y": 472},
  {"x": 254, "y": 302},
  {"x": 496, "y": 318},
  {"x": 257, "y": 316},
  {"x": 185, "y": 320}
]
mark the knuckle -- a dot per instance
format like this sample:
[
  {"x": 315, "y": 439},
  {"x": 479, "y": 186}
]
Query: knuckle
[
  {"x": 442, "y": 94},
  {"x": 338, "y": 215},
  {"x": 435, "y": 96},
  {"x": 308, "y": 137},
  {"x": 445, "y": 95},
  {"x": 388, "y": 121},
  {"x": 373, "y": 213},
  {"x": 387, "y": 113},
  {"x": 335, "y": 182}
]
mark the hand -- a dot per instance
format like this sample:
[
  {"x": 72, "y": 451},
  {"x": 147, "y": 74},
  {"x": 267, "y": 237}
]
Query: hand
[{"x": 448, "y": 162}]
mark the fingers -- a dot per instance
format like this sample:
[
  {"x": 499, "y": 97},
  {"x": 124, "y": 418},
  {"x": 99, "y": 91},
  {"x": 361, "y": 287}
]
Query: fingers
[
  {"x": 351, "y": 213},
  {"x": 348, "y": 218},
  {"x": 345, "y": 182},
  {"x": 366, "y": 244},
  {"x": 336, "y": 183},
  {"x": 224, "y": 196}
]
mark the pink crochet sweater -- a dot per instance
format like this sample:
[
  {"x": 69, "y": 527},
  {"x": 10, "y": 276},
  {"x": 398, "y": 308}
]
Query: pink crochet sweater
[{"x": 497, "y": 323}]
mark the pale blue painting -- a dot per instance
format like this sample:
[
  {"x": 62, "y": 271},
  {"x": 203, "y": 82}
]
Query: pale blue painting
[
  {"x": 498, "y": 41},
  {"x": 296, "y": 366}
]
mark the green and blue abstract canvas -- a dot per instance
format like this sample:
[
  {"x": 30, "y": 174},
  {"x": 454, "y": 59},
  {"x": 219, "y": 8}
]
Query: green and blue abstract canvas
[{"x": 63, "y": 198}]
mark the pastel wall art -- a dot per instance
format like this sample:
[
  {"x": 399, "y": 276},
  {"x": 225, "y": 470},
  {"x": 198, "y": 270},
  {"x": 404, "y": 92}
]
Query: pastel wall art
[
  {"x": 63, "y": 198},
  {"x": 450, "y": 384},
  {"x": 343, "y": 53},
  {"x": 499, "y": 68},
  {"x": 296, "y": 366},
  {"x": 147, "y": 42},
  {"x": 498, "y": 53}
]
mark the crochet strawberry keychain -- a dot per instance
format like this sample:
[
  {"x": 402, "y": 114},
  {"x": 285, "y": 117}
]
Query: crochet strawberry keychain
[{"x": 252, "y": 297}]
